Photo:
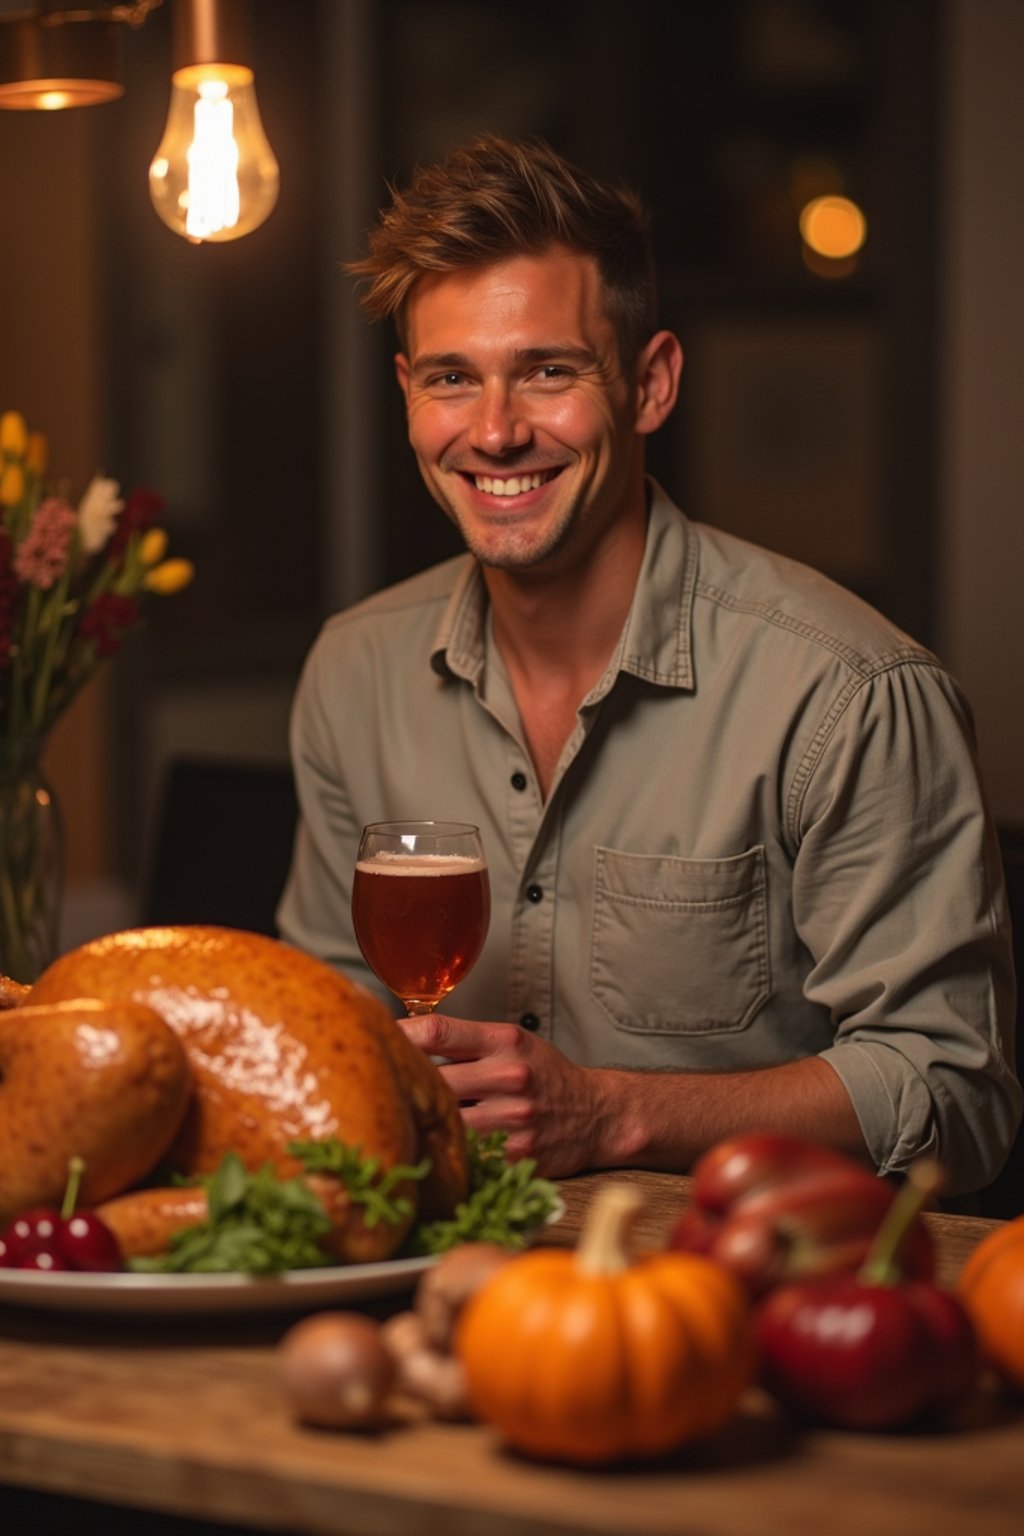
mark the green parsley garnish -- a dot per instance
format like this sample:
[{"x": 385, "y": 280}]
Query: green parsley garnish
[
  {"x": 259, "y": 1223},
  {"x": 506, "y": 1202},
  {"x": 262, "y": 1224},
  {"x": 362, "y": 1177}
]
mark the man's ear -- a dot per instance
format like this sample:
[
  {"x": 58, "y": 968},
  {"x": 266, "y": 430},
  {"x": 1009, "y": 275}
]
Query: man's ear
[
  {"x": 402, "y": 373},
  {"x": 658, "y": 371}
]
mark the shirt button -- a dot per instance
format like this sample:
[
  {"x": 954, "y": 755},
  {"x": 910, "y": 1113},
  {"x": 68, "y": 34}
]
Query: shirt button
[
  {"x": 534, "y": 893},
  {"x": 529, "y": 1021},
  {"x": 518, "y": 780}
]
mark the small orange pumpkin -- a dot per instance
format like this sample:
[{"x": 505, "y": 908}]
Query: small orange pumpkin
[
  {"x": 592, "y": 1357},
  {"x": 991, "y": 1285}
]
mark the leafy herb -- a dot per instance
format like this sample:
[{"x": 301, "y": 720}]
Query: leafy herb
[
  {"x": 506, "y": 1202},
  {"x": 362, "y": 1177},
  {"x": 262, "y": 1224},
  {"x": 259, "y": 1223}
]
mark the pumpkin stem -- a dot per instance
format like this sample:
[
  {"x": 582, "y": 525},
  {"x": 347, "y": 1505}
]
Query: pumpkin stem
[{"x": 602, "y": 1247}]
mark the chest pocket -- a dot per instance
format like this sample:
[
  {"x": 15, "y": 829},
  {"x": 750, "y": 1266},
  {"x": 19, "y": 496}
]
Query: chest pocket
[{"x": 679, "y": 946}]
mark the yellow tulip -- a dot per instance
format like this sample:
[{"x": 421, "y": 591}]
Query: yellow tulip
[
  {"x": 13, "y": 434},
  {"x": 153, "y": 546},
  {"x": 12, "y": 485},
  {"x": 36, "y": 454},
  {"x": 169, "y": 577}
]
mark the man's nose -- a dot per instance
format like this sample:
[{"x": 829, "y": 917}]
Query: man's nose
[{"x": 499, "y": 422}]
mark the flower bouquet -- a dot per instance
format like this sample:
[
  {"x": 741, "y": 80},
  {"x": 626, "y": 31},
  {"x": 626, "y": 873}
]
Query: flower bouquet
[{"x": 73, "y": 585}]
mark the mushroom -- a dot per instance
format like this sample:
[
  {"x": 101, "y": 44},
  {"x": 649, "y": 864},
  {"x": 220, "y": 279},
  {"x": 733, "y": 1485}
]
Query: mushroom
[
  {"x": 421, "y": 1340},
  {"x": 428, "y": 1375},
  {"x": 443, "y": 1291},
  {"x": 337, "y": 1369}
]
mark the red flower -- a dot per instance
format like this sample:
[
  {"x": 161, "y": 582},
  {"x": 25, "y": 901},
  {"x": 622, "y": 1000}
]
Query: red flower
[
  {"x": 141, "y": 510},
  {"x": 110, "y": 618}
]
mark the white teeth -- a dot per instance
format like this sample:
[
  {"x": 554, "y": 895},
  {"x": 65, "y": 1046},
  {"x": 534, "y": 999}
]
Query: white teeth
[{"x": 514, "y": 487}]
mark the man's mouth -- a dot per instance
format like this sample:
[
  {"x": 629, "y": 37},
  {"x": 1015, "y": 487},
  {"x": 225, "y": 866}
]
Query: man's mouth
[{"x": 512, "y": 485}]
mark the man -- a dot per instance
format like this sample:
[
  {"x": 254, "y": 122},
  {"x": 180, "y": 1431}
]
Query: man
[{"x": 742, "y": 873}]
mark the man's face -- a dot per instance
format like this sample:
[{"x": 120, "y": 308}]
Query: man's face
[{"x": 518, "y": 411}]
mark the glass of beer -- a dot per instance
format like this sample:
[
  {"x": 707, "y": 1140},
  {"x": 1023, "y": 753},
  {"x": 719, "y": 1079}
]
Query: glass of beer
[{"x": 421, "y": 903}]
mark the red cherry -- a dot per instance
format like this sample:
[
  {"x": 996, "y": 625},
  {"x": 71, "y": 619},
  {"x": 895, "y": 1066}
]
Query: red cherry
[
  {"x": 47, "y": 1239},
  {"x": 47, "y": 1260},
  {"x": 32, "y": 1232},
  {"x": 88, "y": 1243}
]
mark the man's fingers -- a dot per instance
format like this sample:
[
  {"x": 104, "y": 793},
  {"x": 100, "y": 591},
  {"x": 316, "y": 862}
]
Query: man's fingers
[{"x": 438, "y": 1035}]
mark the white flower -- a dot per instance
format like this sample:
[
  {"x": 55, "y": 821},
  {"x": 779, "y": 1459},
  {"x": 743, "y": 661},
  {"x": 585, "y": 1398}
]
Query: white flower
[{"x": 98, "y": 512}]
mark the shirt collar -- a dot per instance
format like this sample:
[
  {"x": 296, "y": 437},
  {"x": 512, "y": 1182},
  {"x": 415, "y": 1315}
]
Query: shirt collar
[{"x": 656, "y": 639}]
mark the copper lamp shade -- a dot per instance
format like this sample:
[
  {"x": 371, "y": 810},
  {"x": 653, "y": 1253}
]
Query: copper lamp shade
[
  {"x": 55, "y": 54},
  {"x": 48, "y": 67}
]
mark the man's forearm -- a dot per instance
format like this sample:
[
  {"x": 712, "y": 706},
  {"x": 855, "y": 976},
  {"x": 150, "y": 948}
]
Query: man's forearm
[{"x": 666, "y": 1120}]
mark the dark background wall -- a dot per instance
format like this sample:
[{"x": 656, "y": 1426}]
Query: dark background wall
[{"x": 835, "y": 418}]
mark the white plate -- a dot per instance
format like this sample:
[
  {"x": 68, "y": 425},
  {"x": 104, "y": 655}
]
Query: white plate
[{"x": 71, "y": 1291}]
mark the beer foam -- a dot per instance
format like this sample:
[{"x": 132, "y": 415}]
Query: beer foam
[{"x": 388, "y": 863}]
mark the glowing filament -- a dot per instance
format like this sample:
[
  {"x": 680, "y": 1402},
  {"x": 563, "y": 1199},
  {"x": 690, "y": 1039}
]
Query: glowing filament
[{"x": 213, "y": 199}]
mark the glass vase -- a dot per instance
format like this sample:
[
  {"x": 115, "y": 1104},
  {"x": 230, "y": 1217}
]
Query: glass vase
[{"x": 31, "y": 863}]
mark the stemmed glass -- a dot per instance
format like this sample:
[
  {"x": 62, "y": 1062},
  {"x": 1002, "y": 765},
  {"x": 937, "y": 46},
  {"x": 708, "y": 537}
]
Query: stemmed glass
[{"x": 421, "y": 903}]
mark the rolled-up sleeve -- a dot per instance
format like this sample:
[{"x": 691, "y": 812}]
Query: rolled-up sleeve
[{"x": 898, "y": 896}]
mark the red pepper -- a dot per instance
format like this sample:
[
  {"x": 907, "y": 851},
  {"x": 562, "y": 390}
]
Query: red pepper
[
  {"x": 871, "y": 1350},
  {"x": 774, "y": 1208}
]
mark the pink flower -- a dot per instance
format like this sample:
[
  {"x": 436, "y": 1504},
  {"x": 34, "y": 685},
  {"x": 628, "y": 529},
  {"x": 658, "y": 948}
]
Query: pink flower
[{"x": 43, "y": 552}]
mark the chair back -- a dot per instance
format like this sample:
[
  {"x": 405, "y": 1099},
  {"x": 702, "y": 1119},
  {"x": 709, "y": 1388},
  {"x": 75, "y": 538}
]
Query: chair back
[{"x": 222, "y": 844}]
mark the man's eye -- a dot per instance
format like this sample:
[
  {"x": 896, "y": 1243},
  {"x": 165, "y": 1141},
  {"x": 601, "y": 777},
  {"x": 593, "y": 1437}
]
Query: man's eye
[
  {"x": 450, "y": 380},
  {"x": 554, "y": 373}
]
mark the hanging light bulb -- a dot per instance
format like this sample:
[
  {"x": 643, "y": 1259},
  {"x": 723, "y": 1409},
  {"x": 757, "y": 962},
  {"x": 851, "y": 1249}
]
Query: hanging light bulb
[{"x": 214, "y": 176}]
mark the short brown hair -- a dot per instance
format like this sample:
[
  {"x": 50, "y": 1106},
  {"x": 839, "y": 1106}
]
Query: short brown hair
[{"x": 494, "y": 198}]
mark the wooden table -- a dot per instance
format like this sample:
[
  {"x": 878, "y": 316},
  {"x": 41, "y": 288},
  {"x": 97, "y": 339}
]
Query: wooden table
[{"x": 187, "y": 1417}]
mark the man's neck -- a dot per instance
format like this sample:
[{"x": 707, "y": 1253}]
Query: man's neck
[
  {"x": 568, "y": 621},
  {"x": 556, "y": 634}
]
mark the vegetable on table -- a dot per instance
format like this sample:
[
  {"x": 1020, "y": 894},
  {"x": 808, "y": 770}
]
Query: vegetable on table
[
  {"x": 872, "y": 1350},
  {"x": 991, "y": 1286},
  {"x": 593, "y": 1356},
  {"x": 774, "y": 1208},
  {"x": 337, "y": 1370},
  {"x": 422, "y": 1340}
]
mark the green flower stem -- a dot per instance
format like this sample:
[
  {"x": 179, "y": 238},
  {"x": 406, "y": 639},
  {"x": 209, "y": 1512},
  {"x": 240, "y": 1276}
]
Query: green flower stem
[
  {"x": 30, "y": 864},
  {"x": 16, "y": 960},
  {"x": 55, "y": 612},
  {"x": 21, "y": 666}
]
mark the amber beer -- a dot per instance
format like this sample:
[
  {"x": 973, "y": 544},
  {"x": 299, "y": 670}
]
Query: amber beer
[{"x": 421, "y": 920}]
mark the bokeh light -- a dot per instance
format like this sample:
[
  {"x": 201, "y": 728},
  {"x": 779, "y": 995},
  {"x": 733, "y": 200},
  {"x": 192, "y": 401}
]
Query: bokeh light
[{"x": 833, "y": 227}]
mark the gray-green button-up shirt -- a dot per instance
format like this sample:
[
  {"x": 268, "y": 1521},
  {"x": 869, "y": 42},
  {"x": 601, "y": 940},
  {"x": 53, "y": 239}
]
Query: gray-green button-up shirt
[{"x": 765, "y": 839}]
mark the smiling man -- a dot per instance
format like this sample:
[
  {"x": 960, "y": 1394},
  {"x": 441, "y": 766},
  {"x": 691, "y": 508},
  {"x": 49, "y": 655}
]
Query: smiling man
[{"x": 742, "y": 873}]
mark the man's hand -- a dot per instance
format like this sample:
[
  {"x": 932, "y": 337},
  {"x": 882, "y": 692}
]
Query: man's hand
[
  {"x": 508, "y": 1080},
  {"x": 569, "y": 1117}
]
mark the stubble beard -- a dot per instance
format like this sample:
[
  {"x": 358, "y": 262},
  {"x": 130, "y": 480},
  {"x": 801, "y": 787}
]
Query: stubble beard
[{"x": 505, "y": 553}]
